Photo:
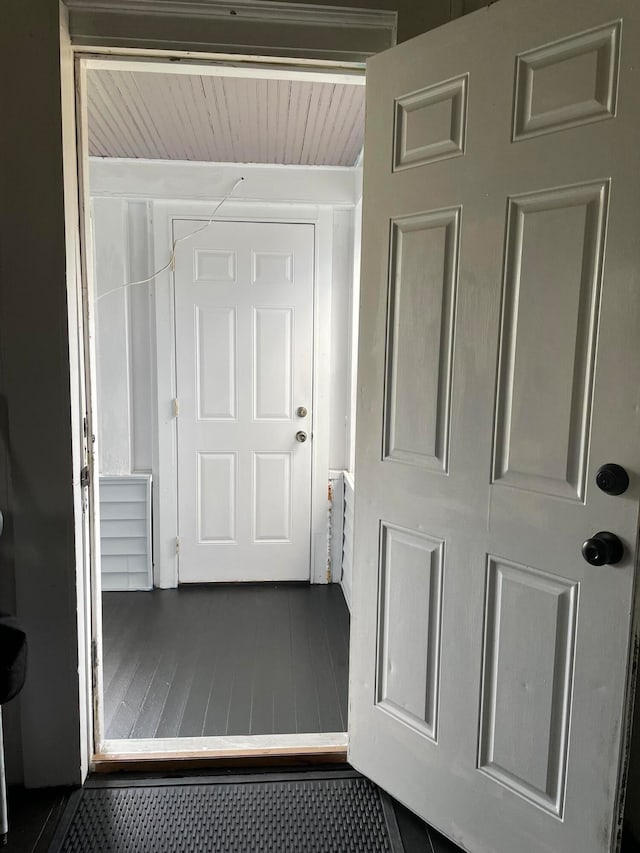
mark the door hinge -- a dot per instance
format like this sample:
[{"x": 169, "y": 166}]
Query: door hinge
[
  {"x": 176, "y": 407},
  {"x": 85, "y": 478}
]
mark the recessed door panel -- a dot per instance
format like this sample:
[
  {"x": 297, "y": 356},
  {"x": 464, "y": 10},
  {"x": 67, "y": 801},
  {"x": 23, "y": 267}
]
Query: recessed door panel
[
  {"x": 272, "y": 268},
  {"x": 410, "y": 579},
  {"x": 567, "y": 83},
  {"x": 214, "y": 266},
  {"x": 528, "y": 666},
  {"x": 273, "y": 353},
  {"x": 422, "y": 288},
  {"x": 216, "y": 496},
  {"x": 430, "y": 124},
  {"x": 272, "y": 499},
  {"x": 553, "y": 267},
  {"x": 216, "y": 363}
]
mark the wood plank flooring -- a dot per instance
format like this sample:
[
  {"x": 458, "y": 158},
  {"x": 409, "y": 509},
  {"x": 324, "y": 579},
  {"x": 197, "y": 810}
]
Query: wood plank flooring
[{"x": 225, "y": 660}]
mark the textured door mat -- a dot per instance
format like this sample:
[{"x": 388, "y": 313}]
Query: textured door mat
[{"x": 320, "y": 812}]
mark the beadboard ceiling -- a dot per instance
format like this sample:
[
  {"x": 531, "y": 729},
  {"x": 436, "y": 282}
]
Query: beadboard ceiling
[{"x": 224, "y": 119}]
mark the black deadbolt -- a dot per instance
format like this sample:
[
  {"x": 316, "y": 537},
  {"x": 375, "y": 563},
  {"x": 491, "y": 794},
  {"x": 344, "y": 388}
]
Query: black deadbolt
[
  {"x": 603, "y": 549},
  {"x": 612, "y": 479}
]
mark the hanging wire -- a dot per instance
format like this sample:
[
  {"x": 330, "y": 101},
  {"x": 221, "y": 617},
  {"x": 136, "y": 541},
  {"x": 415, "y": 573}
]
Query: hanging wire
[{"x": 172, "y": 257}]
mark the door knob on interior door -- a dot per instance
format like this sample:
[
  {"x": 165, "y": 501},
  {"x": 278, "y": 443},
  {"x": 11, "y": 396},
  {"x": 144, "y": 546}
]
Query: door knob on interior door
[
  {"x": 603, "y": 549},
  {"x": 301, "y": 435},
  {"x": 301, "y": 412}
]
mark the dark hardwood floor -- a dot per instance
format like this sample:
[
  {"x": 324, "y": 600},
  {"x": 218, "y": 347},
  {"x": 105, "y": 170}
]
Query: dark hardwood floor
[{"x": 225, "y": 660}]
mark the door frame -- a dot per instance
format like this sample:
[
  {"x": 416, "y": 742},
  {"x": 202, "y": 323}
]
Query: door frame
[{"x": 104, "y": 753}]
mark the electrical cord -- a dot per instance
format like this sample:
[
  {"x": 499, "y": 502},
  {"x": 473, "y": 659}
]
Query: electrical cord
[{"x": 171, "y": 263}]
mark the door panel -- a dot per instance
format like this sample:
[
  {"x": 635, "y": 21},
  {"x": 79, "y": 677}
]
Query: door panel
[
  {"x": 216, "y": 368},
  {"x": 569, "y": 82},
  {"x": 530, "y": 620},
  {"x": 272, "y": 499},
  {"x": 542, "y": 439},
  {"x": 244, "y": 343},
  {"x": 420, "y": 331},
  {"x": 272, "y": 363},
  {"x": 499, "y": 368},
  {"x": 430, "y": 124},
  {"x": 407, "y": 687},
  {"x": 216, "y": 490}
]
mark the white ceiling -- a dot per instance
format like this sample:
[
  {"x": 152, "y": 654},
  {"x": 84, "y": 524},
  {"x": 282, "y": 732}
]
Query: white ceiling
[{"x": 224, "y": 119}]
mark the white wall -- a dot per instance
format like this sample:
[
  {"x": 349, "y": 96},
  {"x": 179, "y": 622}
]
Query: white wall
[
  {"x": 355, "y": 314},
  {"x": 129, "y": 230},
  {"x": 121, "y": 234},
  {"x": 341, "y": 322}
]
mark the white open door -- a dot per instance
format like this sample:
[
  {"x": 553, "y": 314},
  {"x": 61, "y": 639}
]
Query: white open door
[{"x": 499, "y": 369}]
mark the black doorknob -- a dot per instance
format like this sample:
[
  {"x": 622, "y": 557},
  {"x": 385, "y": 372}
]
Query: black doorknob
[
  {"x": 612, "y": 479},
  {"x": 603, "y": 549}
]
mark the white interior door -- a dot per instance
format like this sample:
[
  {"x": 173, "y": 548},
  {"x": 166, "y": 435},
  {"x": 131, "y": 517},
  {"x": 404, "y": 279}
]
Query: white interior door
[
  {"x": 499, "y": 368},
  {"x": 244, "y": 347}
]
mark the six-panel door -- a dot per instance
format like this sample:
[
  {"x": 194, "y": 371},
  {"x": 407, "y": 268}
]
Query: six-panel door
[
  {"x": 499, "y": 368},
  {"x": 244, "y": 348}
]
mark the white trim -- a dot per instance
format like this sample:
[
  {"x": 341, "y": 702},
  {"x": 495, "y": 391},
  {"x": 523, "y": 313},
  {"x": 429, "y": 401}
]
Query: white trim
[
  {"x": 336, "y": 525},
  {"x": 193, "y": 58},
  {"x": 79, "y": 237},
  {"x": 245, "y": 70},
  {"x": 320, "y": 430},
  {"x": 230, "y": 746},
  {"x": 79, "y": 388},
  {"x": 91, "y": 385},
  {"x": 165, "y": 446},
  {"x": 354, "y": 321},
  {"x": 165, "y": 435},
  {"x": 348, "y": 482},
  {"x": 178, "y": 180}
]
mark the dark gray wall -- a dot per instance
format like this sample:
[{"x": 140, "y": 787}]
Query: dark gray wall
[
  {"x": 472, "y": 5},
  {"x": 11, "y": 712},
  {"x": 34, "y": 352},
  {"x": 414, "y": 16}
]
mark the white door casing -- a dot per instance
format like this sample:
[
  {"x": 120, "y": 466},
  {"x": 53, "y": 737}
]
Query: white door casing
[
  {"x": 499, "y": 368},
  {"x": 244, "y": 356}
]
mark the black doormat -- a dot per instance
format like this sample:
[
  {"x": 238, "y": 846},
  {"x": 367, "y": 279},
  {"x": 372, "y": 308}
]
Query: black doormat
[{"x": 322, "y": 812}]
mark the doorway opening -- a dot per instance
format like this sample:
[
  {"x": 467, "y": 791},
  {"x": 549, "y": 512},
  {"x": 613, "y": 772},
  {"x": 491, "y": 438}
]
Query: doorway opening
[{"x": 224, "y": 401}]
